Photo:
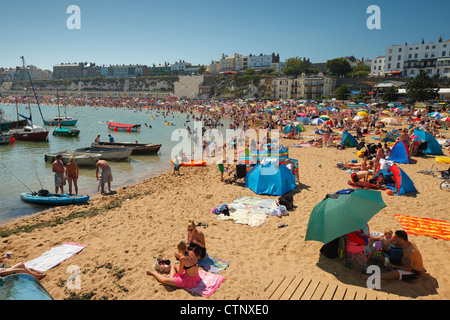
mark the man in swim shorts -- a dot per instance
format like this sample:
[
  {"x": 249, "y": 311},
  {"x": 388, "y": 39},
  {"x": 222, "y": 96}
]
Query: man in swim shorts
[
  {"x": 358, "y": 176},
  {"x": 106, "y": 175},
  {"x": 59, "y": 170},
  {"x": 72, "y": 174},
  {"x": 411, "y": 263}
]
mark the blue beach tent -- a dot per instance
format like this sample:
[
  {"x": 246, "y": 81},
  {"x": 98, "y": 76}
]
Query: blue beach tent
[
  {"x": 270, "y": 177},
  {"x": 22, "y": 286},
  {"x": 399, "y": 153},
  {"x": 348, "y": 140},
  {"x": 433, "y": 147}
]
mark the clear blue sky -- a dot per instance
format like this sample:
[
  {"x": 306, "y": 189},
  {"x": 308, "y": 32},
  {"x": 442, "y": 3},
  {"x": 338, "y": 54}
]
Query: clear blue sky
[{"x": 198, "y": 31}]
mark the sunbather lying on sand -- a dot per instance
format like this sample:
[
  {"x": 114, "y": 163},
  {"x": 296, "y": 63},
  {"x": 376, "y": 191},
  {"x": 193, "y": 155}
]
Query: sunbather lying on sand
[
  {"x": 21, "y": 268},
  {"x": 358, "y": 176}
]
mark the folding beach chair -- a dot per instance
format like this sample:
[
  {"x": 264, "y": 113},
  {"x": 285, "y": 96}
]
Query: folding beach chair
[{"x": 356, "y": 254}]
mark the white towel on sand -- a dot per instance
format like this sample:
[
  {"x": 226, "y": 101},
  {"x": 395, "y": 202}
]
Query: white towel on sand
[{"x": 54, "y": 256}]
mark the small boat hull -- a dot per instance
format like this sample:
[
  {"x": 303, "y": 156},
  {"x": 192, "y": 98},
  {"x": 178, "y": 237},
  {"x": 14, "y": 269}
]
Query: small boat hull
[
  {"x": 116, "y": 126},
  {"x": 82, "y": 159},
  {"x": 53, "y": 199},
  {"x": 63, "y": 122},
  {"x": 136, "y": 148},
  {"x": 111, "y": 154},
  {"x": 66, "y": 132},
  {"x": 5, "y": 138},
  {"x": 29, "y": 135}
]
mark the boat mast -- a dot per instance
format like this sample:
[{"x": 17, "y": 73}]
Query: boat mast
[
  {"x": 32, "y": 87},
  {"x": 59, "y": 114}
]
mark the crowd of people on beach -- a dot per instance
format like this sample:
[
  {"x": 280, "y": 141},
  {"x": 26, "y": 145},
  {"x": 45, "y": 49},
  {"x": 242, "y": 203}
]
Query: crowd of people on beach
[{"x": 269, "y": 115}]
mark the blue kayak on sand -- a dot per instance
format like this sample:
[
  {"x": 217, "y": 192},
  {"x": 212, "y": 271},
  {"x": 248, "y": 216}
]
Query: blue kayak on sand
[{"x": 53, "y": 199}]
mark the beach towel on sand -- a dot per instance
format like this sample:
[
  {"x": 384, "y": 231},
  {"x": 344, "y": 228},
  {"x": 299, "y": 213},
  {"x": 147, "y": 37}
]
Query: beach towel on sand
[
  {"x": 54, "y": 256},
  {"x": 213, "y": 265},
  {"x": 244, "y": 216},
  {"x": 425, "y": 226},
  {"x": 208, "y": 284}
]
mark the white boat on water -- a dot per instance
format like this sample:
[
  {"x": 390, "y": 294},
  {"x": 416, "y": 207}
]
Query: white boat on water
[
  {"x": 5, "y": 138},
  {"x": 81, "y": 158}
]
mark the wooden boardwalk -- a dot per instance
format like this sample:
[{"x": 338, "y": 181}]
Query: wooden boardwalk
[{"x": 314, "y": 288}]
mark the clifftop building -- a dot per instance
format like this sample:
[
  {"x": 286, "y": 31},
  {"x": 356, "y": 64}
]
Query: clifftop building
[
  {"x": 239, "y": 62},
  {"x": 407, "y": 60}
]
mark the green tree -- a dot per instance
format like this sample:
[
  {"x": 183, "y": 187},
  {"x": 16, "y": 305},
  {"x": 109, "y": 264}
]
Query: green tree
[
  {"x": 342, "y": 92},
  {"x": 422, "y": 88},
  {"x": 338, "y": 66},
  {"x": 249, "y": 71},
  {"x": 201, "y": 69},
  {"x": 390, "y": 94},
  {"x": 361, "y": 70},
  {"x": 296, "y": 66}
]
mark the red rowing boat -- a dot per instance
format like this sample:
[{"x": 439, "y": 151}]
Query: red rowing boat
[{"x": 116, "y": 126}]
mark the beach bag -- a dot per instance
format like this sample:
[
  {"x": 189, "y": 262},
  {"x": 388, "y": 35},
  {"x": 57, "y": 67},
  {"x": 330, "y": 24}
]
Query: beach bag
[
  {"x": 162, "y": 265},
  {"x": 43, "y": 193},
  {"x": 287, "y": 201},
  {"x": 360, "y": 145},
  {"x": 331, "y": 249},
  {"x": 223, "y": 209}
]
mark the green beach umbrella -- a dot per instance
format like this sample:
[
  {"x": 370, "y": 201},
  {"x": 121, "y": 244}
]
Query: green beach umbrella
[{"x": 342, "y": 213}]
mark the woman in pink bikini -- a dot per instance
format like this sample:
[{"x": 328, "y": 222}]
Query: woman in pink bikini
[{"x": 184, "y": 275}]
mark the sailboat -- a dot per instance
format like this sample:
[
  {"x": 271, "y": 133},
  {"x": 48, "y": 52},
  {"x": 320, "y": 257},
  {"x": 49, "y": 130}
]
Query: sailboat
[
  {"x": 30, "y": 132},
  {"x": 61, "y": 121},
  {"x": 60, "y": 131}
]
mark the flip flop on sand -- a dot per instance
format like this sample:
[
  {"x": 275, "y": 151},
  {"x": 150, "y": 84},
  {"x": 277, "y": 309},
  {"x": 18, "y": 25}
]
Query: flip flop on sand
[{"x": 282, "y": 225}]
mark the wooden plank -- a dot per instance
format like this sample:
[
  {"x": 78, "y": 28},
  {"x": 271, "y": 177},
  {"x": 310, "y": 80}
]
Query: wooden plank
[
  {"x": 371, "y": 294},
  {"x": 291, "y": 289},
  {"x": 301, "y": 289},
  {"x": 350, "y": 294},
  {"x": 282, "y": 288},
  {"x": 309, "y": 292},
  {"x": 273, "y": 286},
  {"x": 340, "y": 293},
  {"x": 382, "y": 295},
  {"x": 361, "y": 293},
  {"x": 320, "y": 291},
  {"x": 329, "y": 293}
]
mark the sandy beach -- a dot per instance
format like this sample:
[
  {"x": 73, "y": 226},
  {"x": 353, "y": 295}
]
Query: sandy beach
[{"x": 123, "y": 232}]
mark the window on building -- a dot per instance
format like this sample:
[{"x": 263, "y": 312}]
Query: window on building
[
  {"x": 427, "y": 47},
  {"x": 398, "y": 65},
  {"x": 409, "y": 56},
  {"x": 390, "y": 58},
  {"x": 399, "y": 49},
  {"x": 433, "y": 47},
  {"x": 443, "y": 53},
  {"x": 389, "y": 65},
  {"x": 399, "y": 57},
  {"x": 415, "y": 55},
  {"x": 426, "y": 55}
]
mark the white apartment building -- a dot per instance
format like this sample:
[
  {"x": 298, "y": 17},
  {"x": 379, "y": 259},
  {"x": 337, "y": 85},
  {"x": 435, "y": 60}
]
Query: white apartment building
[
  {"x": 408, "y": 60},
  {"x": 303, "y": 87},
  {"x": 377, "y": 66},
  {"x": 239, "y": 62}
]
